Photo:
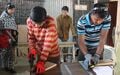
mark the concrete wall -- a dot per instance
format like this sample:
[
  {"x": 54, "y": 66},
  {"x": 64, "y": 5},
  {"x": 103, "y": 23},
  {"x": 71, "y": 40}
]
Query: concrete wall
[{"x": 117, "y": 41}]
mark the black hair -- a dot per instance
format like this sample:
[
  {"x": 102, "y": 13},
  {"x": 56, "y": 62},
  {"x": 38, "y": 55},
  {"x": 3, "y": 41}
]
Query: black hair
[
  {"x": 100, "y": 9},
  {"x": 65, "y": 8},
  {"x": 38, "y": 14},
  {"x": 99, "y": 5},
  {"x": 101, "y": 14},
  {"x": 10, "y": 6}
]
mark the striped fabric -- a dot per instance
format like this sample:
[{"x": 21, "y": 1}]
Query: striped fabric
[
  {"x": 92, "y": 32},
  {"x": 44, "y": 39}
]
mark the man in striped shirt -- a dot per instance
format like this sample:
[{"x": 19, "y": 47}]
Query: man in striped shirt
[
  {"x": 92, "y": 30},
  {"x": 42, "y": 38}
]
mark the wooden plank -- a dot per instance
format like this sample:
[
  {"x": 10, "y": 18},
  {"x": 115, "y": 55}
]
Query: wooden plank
[
  {"x": 76, "y": 68},
  {"x": 67, "y": 43},
  {"x": 61, "y": 44},
  {"x": 51, "y": 67},
  {"x": 66, "y": 69},
  {"x": 106, "y": 64}
]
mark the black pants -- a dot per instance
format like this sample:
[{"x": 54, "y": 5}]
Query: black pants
[
  {"x": 91, "y": 51},
  {"x": 7, "y": 58}
]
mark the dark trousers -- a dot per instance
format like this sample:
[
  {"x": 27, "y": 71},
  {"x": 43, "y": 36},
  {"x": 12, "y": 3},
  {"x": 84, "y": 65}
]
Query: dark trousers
[{"x": 7, "y": 58}]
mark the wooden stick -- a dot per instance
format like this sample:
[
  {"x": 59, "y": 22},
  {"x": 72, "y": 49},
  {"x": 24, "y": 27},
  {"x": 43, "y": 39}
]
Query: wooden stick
[
  {"x": 106, "y": 64},
  {"x": 51, "y": 67}
]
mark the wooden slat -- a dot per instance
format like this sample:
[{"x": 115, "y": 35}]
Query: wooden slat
[
  {"x": 67, "y": 43},
  {"x": 61, "y": 44}
]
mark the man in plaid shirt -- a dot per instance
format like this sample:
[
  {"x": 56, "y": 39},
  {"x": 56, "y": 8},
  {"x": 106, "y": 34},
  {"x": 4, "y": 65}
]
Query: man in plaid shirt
[{"x": 42, "y": 38}]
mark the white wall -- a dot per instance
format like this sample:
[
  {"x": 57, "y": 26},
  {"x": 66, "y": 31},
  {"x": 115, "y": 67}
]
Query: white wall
[{"x": 53, "y": 7}]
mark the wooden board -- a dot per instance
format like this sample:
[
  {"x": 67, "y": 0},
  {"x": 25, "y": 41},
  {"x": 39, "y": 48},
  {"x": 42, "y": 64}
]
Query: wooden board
[
  {"x": 67, "y": 69},
  {"x": 74, "y": 69},
  {"x": 106, "y": 63}
]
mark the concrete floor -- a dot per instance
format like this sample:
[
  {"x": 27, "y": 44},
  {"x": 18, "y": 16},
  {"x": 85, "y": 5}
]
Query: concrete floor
[{"x": 21, "y": 66}]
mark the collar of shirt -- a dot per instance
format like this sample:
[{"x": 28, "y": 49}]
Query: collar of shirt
[
  {"x": 89, "y": 20},
  {"x": 65, "y": 16},
  {"x": 39, "y": 26}
]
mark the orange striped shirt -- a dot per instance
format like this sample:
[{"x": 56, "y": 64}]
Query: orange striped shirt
[{"x": 44, "y": 39}]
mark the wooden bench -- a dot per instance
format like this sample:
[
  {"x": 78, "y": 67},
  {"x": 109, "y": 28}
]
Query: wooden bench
[{"x": 61, "y": 45}]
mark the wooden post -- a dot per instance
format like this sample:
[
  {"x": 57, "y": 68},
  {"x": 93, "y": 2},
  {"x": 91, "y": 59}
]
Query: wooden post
[
  {"x": 117, "y": 41},
  {"x": 112, "y": 7}
]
